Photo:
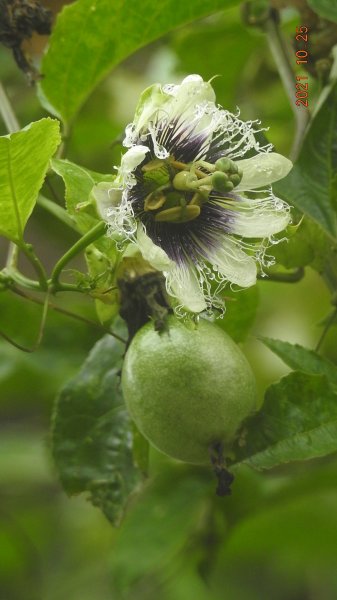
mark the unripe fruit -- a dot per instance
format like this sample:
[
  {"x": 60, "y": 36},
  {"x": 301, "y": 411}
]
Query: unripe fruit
[{"x": 187, "y": 389}]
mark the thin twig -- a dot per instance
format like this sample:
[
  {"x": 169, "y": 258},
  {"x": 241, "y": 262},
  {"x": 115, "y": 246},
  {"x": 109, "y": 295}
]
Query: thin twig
[
  {"x": 37, "y": 343},
  {"x": 326, "y": 329},
  {"x": 68, "y": 313}
]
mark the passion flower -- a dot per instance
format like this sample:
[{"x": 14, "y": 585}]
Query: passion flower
[{"x": 193, "y": 192}]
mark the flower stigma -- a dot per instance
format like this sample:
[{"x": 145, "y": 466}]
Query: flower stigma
[{"x": 193, "y": 193}]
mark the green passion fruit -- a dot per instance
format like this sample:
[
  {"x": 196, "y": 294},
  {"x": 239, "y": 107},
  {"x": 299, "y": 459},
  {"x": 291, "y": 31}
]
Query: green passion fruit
[{"x": 188, "y": 389}]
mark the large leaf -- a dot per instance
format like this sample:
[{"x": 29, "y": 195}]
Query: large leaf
[
  {"x": 24, "y": 159},
  {"x": 298, "y": 421},
  {"x": 302, "y": 359},
  {"x": 311, "y": 185},
  {"x": 325, "y": 8},
  {"x": 91, "y": 434},
  {"x": 93, "y": 36}
]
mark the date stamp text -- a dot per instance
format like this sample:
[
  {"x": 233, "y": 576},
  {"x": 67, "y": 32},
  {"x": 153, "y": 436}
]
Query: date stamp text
[{"x": 302, "y": 55}]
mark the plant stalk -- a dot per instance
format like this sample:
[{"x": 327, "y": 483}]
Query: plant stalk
[
  {"x": 12, "y": 125},
  {"x": 7, "y": 113},
  {"x": 290, "y": 277},
  {"x": 92, "y": 235},
  {"x": 37, "y": 265}
]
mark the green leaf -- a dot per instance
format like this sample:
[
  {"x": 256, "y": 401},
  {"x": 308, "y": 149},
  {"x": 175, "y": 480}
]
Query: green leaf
[
  {"x": 79, "y": 183},
  {"x": 24, "y": 160},
  {"x": 240, "y": 313},
  {"x": 91, "y": 433},
  {"x": 306, "y": 244},
  {"x": 93, "y": 36},
  {"x": 302, "y": 359},
  {"x": 298, "y": 421},
  {"x": 325, "y": 8},
  {"x": 311, "y": 184},
  {"x": 297, "y": 249},
  {"x": 160, "y": 524}
]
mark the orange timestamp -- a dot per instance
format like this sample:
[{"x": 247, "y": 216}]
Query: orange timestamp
[{"x": 302, "y": 55}]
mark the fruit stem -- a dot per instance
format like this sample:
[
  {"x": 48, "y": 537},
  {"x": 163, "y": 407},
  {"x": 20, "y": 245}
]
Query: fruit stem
[
  {"x": 224, "y": 477},
  {"x": 143, "y": 297}
]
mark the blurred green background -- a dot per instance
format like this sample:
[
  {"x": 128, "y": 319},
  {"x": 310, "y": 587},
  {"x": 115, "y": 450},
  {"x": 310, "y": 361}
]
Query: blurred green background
[{"x": 275, "y": 538}]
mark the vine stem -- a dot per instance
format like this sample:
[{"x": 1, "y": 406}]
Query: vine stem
[
  {"x": 8, "y": 276},
  {"x": 37, "y": 265},
  {"x": 12, "y": 125},
  {"x": 12, "y": 256},
  {"x": 92, "y": 235},
  {"x": 280, "y": 52}
]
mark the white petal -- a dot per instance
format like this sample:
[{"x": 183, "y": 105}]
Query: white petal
[
  {"x": 183, "y": 284},
  {"x": 192, "y": 103},
  {"x": 173, "y": 100},
  {"x": 262, "y": 170},
  {"x": 191, "y": 90},
  {"x": 233, "y": 263},
  {"x": 261, "y": 218},
  {"x": 105, "y": 195},
  {"x": 174, "y": 90},
  {"x": 150, "y": 101},
  {"x": 157, "y": 258},
  {"x": 130, "y": 161}
]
